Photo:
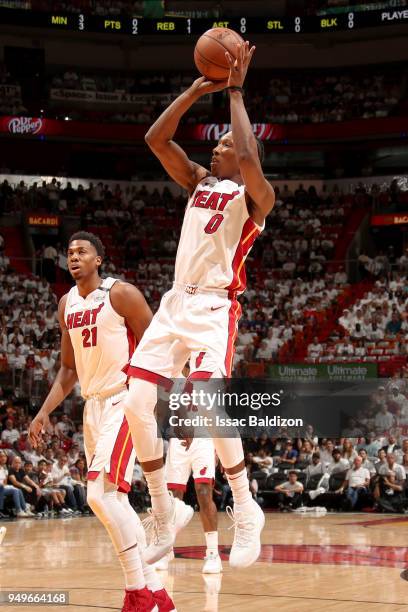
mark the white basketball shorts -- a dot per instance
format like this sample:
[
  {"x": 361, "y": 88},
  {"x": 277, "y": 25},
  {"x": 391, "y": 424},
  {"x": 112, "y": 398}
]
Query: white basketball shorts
[
  {"x": 200, "y": 327},
  {"x": 199, "y": 459},
  {"x": 107, "y": 441}
]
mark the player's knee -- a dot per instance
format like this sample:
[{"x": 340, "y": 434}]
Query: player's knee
[
  {"x": 140, "y": 400},
  {"x": 204, "y": 493},
  {"x": 94, "y": 499}
]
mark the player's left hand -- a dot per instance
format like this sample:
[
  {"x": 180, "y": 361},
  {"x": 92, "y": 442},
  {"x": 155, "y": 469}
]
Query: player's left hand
[
  {"x": 239, "y": 66},
  {"x": 202, "y": 86}
]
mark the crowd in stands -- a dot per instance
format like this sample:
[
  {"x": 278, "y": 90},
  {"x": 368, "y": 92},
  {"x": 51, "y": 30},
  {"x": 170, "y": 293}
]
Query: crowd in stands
[
  {"x": 301, "y": 98},
  {"x": 50, "y": 480},
  {"x": 286, "y": 290},
  {"x": 29, "y": 338},
  {"x": 307, "y": 97},
  {"x": 291, "y": 278},
  {"x": 365, "y": 469},
  {"x": 375, "y": 326}
]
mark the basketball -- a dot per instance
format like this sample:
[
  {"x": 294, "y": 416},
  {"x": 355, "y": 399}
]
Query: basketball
[{"x": 209, "y": 52}]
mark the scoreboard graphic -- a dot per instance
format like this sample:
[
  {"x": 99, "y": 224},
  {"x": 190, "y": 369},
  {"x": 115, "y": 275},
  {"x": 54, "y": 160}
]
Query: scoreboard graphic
[{"x": 138, "y": 26}]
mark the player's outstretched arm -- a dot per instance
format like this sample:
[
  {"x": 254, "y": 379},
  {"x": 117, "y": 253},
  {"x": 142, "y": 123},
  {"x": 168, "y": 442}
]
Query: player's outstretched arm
[
  {"x": 130, "y": 304},
  {"x": 63, "y": 383},
  {"x": 160, "y": 136},
  {"x": 259, "y": 190}
]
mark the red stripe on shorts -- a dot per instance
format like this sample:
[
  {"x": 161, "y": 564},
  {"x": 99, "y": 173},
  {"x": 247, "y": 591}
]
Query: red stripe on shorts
[
  {"x": 118, "y": 452},
  {"x": 204, "y": 480},
  {"x": 157, "y": 379},
  {"x": 233, "y": 318},
  {"x": 173, "y": 486}
]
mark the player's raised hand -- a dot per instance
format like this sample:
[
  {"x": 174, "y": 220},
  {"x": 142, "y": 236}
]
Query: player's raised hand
[
  {"x": 203, "y": 86},
  {"x": 239, "y": 66},
  {"x": 37, "y": 427}
]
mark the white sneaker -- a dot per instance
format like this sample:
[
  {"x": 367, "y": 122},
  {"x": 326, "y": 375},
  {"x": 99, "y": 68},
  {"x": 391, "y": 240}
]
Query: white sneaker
[
  {"x": 3, "y": 531},
  {"x": 212, "y": 564},
  {"x": 164, "y": 527},
  {"x": 163, "y": 564},
  {"x": 183, "y": 515},
  {"x": 22, "y": 514},
  {"x": 246, "y": 547},
  {"x": 65, "y": 511}
]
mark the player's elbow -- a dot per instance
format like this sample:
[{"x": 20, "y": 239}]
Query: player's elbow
[
  {"x": 149, "y": 139},
  {"x": 154, "y": 141}
]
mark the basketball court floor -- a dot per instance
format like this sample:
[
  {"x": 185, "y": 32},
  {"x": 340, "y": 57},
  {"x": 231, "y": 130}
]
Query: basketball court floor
[{"x": 310, "y": 563}]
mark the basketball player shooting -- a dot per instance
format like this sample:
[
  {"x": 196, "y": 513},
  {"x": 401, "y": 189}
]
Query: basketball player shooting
[
  {"x": 101, "y": 320},
  {"x": 198, "y": 317}
]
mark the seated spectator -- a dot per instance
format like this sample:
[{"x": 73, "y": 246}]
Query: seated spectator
[
  {"x": 384, "y": 419},
  {"x": 288, "y": 455},
  {"x": 393, "y": 327},
  {"x": 9, "y": 491},
  {"x": 10, "y": 434},
  {"x": 356, "y": 482},
  {"x": 369, "y": 465},
  {"x": 390, "y": 486},
  {"x": 348, "y": 451},
  {"x": 315, "y": 349},
  {"x": 316, "y": 468},
  {"x": 290, "y": 492},
  {"x": 54, "y": 496},
  {"x": 263, "y": 461},
  {"x": 391, "y": 445},
  {"x": 338, "y": 463},
  {"x": 61, "y": 477}
]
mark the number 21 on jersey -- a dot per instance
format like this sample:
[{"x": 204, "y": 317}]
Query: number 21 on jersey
[{"x": 90, "y": 337}]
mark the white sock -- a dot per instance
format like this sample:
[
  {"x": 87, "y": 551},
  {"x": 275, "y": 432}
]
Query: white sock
[
  {"x": 132, "y": 568},
  {"x": 153, "y": 581},
  {"x": 211, "y": 538},
  {"x": 240, "y": 489},
  {"x": 158, "y": 491}
]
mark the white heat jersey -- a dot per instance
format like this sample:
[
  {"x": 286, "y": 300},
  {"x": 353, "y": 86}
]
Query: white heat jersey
[
  {"x": 102, "y": 343},
  {"x": 216, "y": 237}
]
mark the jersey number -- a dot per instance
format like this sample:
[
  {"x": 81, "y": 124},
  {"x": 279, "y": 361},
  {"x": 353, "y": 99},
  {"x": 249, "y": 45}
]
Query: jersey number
[
  {"x": 214, "y": 223},
  {"x": 90, "y": 337}
]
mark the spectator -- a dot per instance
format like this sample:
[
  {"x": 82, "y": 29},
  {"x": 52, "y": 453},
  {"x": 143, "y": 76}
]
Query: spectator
[
  {"x": 289, "y": 454},
  {"x": 290, "y": 492},
  {"x": 384, "y": 420},
  {"x": 390, "y": 486},
  {"x": 10, "y": 434},
  {"x": 9, "y": 491},
  {"x": 356, "y": 482},
  {"x": 339, "y": 464},
  {"x": 391, "y": 445},
  {"x": 61, "y": 477}
]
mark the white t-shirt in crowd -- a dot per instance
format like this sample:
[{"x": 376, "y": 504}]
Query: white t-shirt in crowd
[
  {"x": 293, "y": 488},
  {"x": 9, "y": 436},
  {"x": 357, "y": 478}
]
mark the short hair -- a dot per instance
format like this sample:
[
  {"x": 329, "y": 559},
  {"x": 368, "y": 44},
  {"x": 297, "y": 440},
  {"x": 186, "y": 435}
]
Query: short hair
[
  {"x": 261, "y": 149},
  {"x": 92, "y": 238},
  {"x": 292, "y": 472},
  {"x": 316, "y": 455},
  {"x": 28, "y": 463}
]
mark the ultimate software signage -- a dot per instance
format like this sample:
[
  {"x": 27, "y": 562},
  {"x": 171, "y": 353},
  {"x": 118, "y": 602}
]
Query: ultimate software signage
[{"x": 328, "y": 371}]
